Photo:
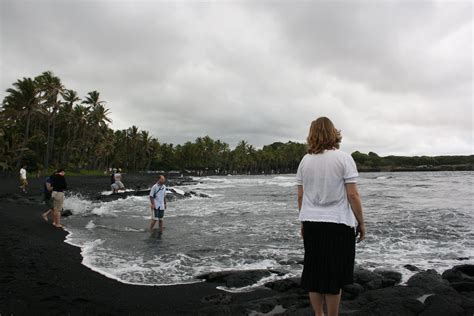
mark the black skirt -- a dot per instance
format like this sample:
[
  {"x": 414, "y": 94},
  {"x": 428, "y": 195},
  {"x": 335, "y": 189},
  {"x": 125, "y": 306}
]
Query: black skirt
[{"x": 329, "y": 252}]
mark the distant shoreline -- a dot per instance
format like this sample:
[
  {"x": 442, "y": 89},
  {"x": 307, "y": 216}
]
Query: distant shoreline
[
  {"x": 466, "y": 167},
  {"x": 176, "y": 174}
]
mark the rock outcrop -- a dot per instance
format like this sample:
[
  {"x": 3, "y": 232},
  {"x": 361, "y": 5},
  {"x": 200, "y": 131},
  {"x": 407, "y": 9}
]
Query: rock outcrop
[{"x": 377, "y": 292}]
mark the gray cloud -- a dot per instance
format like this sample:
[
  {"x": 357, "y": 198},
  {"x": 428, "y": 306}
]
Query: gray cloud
[{"x": 396, "y": 77}]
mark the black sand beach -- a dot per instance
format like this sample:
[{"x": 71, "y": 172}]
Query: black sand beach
[{"x": 42, "y": 275}]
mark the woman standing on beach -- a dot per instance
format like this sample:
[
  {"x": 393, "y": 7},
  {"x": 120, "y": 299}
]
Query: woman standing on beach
[{"x": 330, "y": 212}]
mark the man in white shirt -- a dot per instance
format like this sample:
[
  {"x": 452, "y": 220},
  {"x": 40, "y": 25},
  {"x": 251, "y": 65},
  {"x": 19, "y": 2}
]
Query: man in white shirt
[
  {"x": 158, "y": 202},
  {"x": 23, "y": 181},
  {"x": 118, "y": 184}
]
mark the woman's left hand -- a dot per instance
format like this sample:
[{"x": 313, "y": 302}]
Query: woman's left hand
[{"x": 302, "y": 231}]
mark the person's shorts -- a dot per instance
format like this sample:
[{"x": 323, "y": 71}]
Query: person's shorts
[
  {"x": 118, "y": 185},
  {"x": 23, "y": 182},
  {"x": 48, "y": 200},
  {"x": 157, "y": 214},
  {"x": 58, "y": 200}
]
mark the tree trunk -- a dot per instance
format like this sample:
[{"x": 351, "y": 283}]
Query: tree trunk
[{"x": 46, "y": 156}]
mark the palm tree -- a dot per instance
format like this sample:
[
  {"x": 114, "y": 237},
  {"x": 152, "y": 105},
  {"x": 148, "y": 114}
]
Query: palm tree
[
  {"x": 93, "y": 99},
  {"x": 97, "y": 117},
  {"x": 66, "y": 116},
  {"x": 22, "y": 102},
  {"x": 80, "y": 129},
  {"x": 134, "y": 139},
  {"x": 21, "y": 105},
  {"x": 50, "y": 88}
]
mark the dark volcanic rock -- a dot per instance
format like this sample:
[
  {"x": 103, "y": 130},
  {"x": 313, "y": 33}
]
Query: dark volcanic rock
[
  {"x": 429, "y": 280},
  {"x": 66, "y": 213},
  {"x": 284, "y": 285},
  {"x": 120, "y": 195},
  {"x": 368, "y": 279},
  {"x": 223, "y": 310},
  {"x": 411, "y": 267},
  {"x": 462, "y": 258},
  {"x": 439, "y": 305},
  {"x": 463, "y": 286},
  {"x": 426, "y": 293},
  {"x": 221, "y": 298},
  {"x": 264, "y": 305},
  {"x": 396, "y": 306},
  {"x": 306, "y": 311},
  {"x": 171, "y": 195},
  {"x": 235, "y": 278},
  {"x": 393, "y": 291},
  {"x": 351, "y": 291},
  {"x": 390, "y": 277},
  {"x": 460, "y": 273}
]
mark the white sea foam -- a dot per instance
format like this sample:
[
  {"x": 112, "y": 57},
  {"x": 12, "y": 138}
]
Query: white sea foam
[
  {"x": 77, "y": 204},
  {"x": 104, "y": 210},
  {"x": 109, "y": 192},
  {"x": 251, "y": 223},
  {"x": 90, "y": 225}
]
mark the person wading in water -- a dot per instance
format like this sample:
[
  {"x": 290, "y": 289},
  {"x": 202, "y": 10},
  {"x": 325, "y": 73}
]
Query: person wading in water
[{"x": 158, "y": 202}]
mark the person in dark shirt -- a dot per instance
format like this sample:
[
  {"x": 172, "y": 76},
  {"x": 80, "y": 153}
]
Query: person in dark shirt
[
  {"x": 59, "y": 185},
  {"x": 47, "y": 188}
]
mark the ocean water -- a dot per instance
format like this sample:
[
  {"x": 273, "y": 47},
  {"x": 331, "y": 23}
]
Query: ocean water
[{"x": 250, "y": 222}]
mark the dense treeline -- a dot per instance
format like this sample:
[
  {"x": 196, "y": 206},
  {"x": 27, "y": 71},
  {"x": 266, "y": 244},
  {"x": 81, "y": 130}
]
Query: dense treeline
[
  {"x": 45, "y": 125},
  {"x": 372, "y": 161}
]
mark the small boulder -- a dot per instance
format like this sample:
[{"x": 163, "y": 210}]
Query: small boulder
[
  {"x": 390, "y": 277},
  {"x": 368, "y": 279},
  {"x": 66, "y": 213},
  {"x": 351, "y": 291},
  {"x": 427, "y": 280},
  {"x": 393, "y": 291},
  {"x": 439, "y": 305},
  {"x": 412, "y": 268},
  {"x": 284, "y": 285},
  {"x": 460, "y": 273},
  {"x": 392, "y": 306},
  {"x": 463, "y": 286}
]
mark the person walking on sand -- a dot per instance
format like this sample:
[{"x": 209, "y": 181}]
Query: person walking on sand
[
  {"x": 331, "y": 216},
  {"x": 23, "y": 180},
  {"x": 59, "y": 185},
  {"x": 47, "y": 190},
  {"x": 158, "y": 202}
]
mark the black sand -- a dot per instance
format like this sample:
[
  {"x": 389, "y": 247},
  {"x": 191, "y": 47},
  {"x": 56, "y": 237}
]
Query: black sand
[{"x": 40, "y": 274}]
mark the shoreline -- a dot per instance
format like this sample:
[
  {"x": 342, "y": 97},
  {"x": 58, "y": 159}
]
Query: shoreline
[
  {"x": 43, "y": 274},
  {"x": 9, "y": 175}
]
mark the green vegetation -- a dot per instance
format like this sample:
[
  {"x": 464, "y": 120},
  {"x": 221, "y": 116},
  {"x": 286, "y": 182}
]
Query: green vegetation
[
  {"x": 45, "y": 125},
  {"x": 372, "y": 161}
]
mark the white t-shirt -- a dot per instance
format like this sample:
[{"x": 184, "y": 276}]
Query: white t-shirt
[
  {"x": 117, "y": 177},
  {"x": 158, "y": 193},
  {"x": 23, "y": 173},
  {"x": 323, "y": 177}
]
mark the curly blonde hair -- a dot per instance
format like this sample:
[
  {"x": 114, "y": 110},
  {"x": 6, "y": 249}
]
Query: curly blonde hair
[{"x": 322, "y": 136}]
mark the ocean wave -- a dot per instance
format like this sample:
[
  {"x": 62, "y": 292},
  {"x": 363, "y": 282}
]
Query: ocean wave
[{"x": 251, "y": 224}]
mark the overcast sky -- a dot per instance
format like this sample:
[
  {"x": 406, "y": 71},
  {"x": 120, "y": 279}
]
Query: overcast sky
[{"x": 395, "y": 77}]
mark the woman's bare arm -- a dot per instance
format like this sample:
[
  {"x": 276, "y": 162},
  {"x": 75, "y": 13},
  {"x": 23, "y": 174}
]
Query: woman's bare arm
[
  {"x": 300, "y": 197},
  {"x": 356, "y": 205},
  {"x": 300, "y": 202}
]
